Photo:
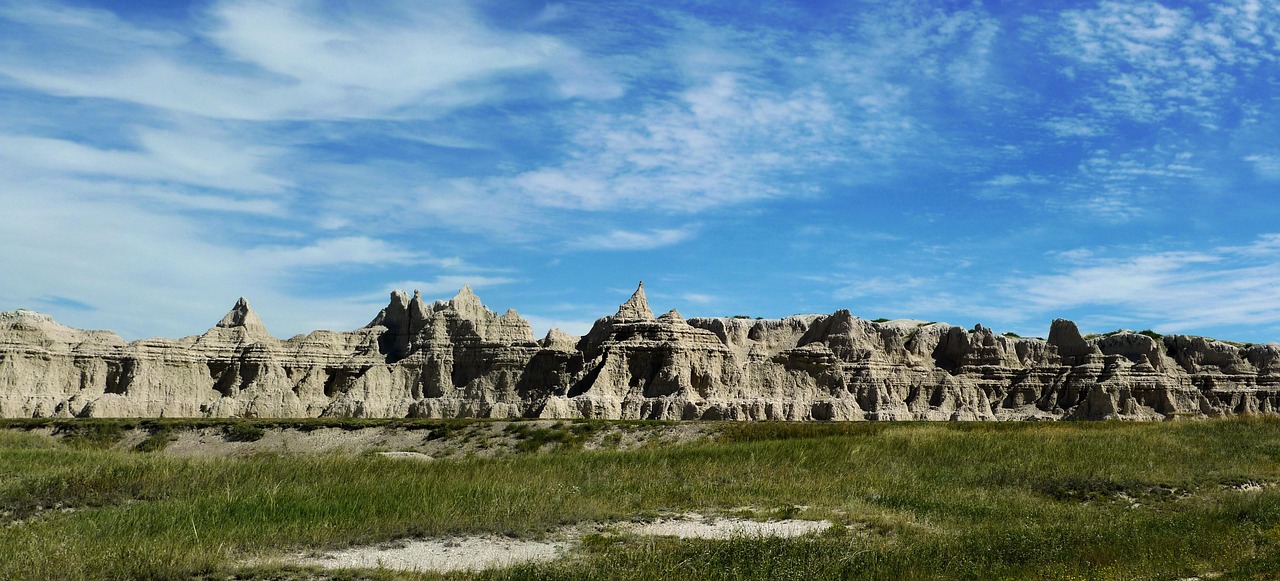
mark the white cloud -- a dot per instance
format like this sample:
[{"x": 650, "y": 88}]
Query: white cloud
[
  {"x": 718, "y": 143},
  {"x": 1177, "y": 291},
  {"x": 1116, "y": 188},
  {"x": 881, "y": 286},
  {"x": 1072, "y": 127},
  {"x": 1114, "y": 208},
  {"x": 491, "y": 207},
  {"x": 329, "y": 252},
  {"x": 1075, "y": 255},
  {"x": 761, "y": 115},
  {"x": 1157, "y": 62},
  {"x": 949, "y": 46},
  {"x": 144, "y": 270},
  {"x": 289, "y": 59},
  {"x": 699, "y": 298},
  {"x": 631, "y": 240},
  {"x": 1009, "y": 186},
  {"x": 1266, "y": 166},
  {"x": 160, "y": 156},
  {"x": 1007, "y": 180},
  {"x": 86, "y": 25}
]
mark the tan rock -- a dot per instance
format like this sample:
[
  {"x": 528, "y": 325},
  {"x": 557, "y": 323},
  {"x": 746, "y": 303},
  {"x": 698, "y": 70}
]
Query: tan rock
[
  {"x": 456, "y": 358},
  {"x": 636, "y": 308}
]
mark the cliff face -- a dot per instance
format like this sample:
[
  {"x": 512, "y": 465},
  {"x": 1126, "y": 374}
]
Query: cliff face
[{"x": 457, "y": 358}]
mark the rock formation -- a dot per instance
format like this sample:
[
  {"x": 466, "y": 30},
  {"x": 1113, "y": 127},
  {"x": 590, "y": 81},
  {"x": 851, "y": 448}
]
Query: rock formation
[{"x": 457, "y": 358}]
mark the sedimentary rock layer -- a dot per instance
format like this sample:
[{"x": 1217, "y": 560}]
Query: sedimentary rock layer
[{"x": 457, "y": 358}]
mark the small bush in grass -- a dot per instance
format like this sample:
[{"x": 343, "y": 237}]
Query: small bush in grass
[
  {"x": 91, "y": 433},
  {"x": 532, "y": 439},
  {"x": 158, "y": 440},
  {"x": 441, "y": 432},
  {"x": 244, "y": 432}
]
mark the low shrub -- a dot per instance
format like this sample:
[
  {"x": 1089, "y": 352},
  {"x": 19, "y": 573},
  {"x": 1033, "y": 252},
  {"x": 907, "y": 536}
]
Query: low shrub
[{"x": 243, "y": 432}]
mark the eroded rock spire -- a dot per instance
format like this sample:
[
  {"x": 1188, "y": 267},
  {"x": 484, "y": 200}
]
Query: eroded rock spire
[
  {"x": 242, "y": 315},
  {"x": 636, "y": 308}
]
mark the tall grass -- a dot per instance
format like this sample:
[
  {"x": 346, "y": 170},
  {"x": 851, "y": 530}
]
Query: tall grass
[{"x": 919, "y": 501}]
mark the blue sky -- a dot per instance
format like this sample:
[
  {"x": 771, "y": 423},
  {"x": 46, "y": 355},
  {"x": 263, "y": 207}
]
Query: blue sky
[{"x": 1002, "y": 163}]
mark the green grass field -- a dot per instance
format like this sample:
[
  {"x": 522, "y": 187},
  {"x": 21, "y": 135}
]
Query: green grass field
[{"x": 915, "y": 501}]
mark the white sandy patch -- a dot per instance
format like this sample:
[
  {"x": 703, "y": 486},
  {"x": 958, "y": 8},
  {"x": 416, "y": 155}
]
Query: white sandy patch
[
  {"x": 442, "y": 555},
  {"x": 490, "y": 551},
  {"x": 695, "y": 526}
]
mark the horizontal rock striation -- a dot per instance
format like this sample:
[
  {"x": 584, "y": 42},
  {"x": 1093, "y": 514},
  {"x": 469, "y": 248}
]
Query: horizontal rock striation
[{"x": 457, "y": 358}]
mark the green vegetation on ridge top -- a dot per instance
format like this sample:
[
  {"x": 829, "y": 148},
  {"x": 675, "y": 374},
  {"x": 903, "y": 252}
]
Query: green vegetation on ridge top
[{"x": 1024, "y": 501}]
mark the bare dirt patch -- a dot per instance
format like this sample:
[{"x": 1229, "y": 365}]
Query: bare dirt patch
[
  {"x": 696, "y": 526},
  {"x": 491, "y": 551},
  {"x": 441, "y": 555}
]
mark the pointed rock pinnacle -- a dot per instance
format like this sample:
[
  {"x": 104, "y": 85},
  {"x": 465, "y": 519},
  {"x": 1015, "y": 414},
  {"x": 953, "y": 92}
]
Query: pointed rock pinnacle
[
  {"x": 672, "y": 316},
  {"x": 636, "y": 308},
  {"x": 467, "y": 304},
  {"x": 242, "y": 315}
]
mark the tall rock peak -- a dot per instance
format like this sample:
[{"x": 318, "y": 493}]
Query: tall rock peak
[
  {"x": 417, "y": 309},
  {"x": 242, "y": 315},
  {"x": 467, "y": 304},
  {"x": 636, "y": 308}
]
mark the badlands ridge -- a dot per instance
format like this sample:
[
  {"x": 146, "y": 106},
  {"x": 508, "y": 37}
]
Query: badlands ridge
[{"x": 457, "y": 358}]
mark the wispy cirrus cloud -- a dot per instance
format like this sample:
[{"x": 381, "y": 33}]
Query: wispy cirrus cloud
[
  {"x": 1176, "y": 291},
  {"x": 635, "y": 240},
  {"x": 1158, "y": 62},
  {"x": 148, "y": 271},
  {"x": 1201, "y": 291},
  {"x": 716, "y": 143},
  {"x": 292, "y": 60},
  {"x": 209, "y": 160},
  {"x": 1266, "y": 166},
  {"x": 185, "y": 178},
  {"x": 761, "y": 116},
  {"x": 1119, "y": 188}
]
